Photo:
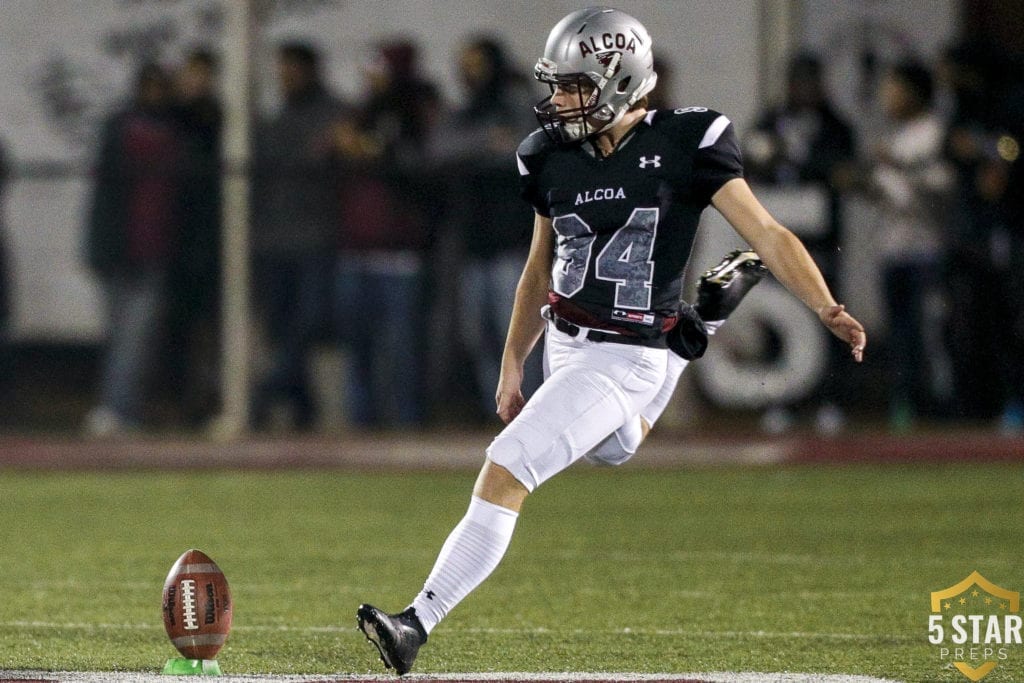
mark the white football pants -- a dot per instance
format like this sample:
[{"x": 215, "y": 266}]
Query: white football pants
[
  {"x": 621, "y": 445},
  {"x": 591, "y": 389}
]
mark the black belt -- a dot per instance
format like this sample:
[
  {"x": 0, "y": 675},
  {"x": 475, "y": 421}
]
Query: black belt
[{"x": 563, "y": 325}]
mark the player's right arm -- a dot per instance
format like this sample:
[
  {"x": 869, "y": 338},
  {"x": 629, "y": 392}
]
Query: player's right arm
[{"x": 526, "y": 325}]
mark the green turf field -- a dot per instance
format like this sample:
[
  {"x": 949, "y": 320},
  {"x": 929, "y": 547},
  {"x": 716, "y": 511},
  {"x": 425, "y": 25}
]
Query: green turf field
[{"x": 798, "y": 569}]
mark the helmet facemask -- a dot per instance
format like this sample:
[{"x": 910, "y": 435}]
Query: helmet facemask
[{"x": 572, "y": 124}]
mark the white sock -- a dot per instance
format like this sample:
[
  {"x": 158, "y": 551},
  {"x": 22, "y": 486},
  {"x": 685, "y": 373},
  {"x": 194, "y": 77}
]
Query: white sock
[
  {"x": 712, "y": 326},
  {"x": 472, "y": 551}
]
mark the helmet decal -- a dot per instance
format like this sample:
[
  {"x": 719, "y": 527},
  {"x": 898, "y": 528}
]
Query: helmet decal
[{"x": 606, "y": 60}]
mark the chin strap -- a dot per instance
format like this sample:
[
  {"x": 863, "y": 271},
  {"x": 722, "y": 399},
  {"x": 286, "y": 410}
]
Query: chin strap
[
  {"x": 610, "y": 70},
  {"x": 646, "y": 86},
  {"x": 613, "y": 67}
]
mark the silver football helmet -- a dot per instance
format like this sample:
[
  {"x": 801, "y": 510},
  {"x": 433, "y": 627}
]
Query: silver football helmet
[{"x": 604, "y": 57}]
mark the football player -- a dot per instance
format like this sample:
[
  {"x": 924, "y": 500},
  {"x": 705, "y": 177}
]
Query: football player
[{"x": 618, "y": 192}]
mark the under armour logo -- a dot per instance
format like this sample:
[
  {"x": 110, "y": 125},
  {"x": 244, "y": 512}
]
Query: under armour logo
[
  {"x": 656, "y": 161},
  {"x": 430, "y": 595}
]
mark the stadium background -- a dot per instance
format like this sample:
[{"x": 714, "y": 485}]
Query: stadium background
[
  {"x": 722, "y": 548},
  {"x": 62, "y": 76}
]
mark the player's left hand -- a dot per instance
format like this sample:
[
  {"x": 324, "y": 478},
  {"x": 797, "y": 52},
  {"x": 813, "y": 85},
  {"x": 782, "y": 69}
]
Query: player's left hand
[{"x": 846, "y": 327}]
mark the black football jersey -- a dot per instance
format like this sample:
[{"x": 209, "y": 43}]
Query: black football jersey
[{"x": 625, "y": 224}]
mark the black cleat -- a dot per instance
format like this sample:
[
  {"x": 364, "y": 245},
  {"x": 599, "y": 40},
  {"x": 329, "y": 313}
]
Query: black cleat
[
  {"x": 398, "y": 637},
  {"x": 722, "y": 288}
]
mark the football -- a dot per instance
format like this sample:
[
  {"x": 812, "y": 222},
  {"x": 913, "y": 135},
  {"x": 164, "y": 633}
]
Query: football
[{"x": 197, "y": 606}]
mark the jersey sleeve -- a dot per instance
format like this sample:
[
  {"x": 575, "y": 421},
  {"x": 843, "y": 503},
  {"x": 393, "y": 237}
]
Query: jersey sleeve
[
  {"x": 717, "y": 159},
  {"x": 529, "y": 159}
]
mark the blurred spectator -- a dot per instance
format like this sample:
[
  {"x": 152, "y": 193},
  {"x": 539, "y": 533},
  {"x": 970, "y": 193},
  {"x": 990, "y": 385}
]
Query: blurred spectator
[
  {"x": 475, "y": 152},
  {"x": 6, "y": 294},
  {"x": 294, "y": 232},
  {"x": 195, "y": 273},
  {"x": 380, "y": 277},
  {"x": 984, "y": 262},
  {"x": 805, "y": 141},
  {"x": 912, "y": 182},
  {"x": 133, "y": 232}
]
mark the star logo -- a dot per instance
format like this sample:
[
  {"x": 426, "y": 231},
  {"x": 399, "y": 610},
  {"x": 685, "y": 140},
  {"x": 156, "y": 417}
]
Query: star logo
[{"x": 971, "y": 634}]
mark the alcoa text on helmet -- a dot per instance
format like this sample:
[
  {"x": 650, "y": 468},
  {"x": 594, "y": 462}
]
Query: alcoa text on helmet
[{"x": 601, "y": 56}]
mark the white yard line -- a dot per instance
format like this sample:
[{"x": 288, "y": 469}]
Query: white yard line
[{"x": 675, "y": 633}]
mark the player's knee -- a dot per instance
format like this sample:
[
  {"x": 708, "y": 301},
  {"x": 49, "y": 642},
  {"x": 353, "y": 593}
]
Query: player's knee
[
  {"x": 499, "y": 486},
  {"x": 532, "y": 455},
  {"x": 513, "y": 457}
]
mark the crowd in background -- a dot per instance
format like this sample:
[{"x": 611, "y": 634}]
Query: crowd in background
[
  {"x": 943, "y": 170},
  {"x": 389, "y": 226},
  {"x": 374, "y": 218}
]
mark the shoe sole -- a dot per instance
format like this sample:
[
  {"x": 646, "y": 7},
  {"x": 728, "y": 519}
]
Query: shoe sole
[
  {"x": 724, "y": 274},
  {"x": 367, "y": 623}
]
